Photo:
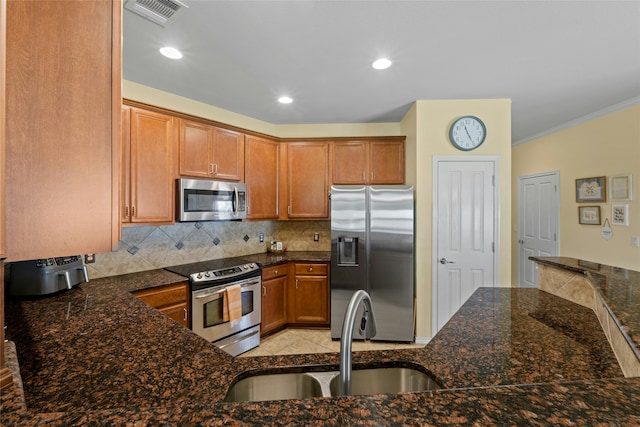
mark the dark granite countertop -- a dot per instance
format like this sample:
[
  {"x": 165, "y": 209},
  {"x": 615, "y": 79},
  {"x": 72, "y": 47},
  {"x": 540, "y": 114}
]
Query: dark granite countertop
[
  {"x": 98, "y": 355},
  {"x": 618, "y": 287}
]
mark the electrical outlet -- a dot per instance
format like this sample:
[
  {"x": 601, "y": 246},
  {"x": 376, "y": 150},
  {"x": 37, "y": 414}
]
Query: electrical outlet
[
  {"x": 635, "y": 241},
  {"x": 89, "y": 258},
  {"x": 261, "y": 237},
  {"x": 316, "y": 237}
]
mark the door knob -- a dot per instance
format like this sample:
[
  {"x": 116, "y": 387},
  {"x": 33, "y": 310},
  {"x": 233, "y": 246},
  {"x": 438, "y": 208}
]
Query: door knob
[{"x": 444, "y": 261}]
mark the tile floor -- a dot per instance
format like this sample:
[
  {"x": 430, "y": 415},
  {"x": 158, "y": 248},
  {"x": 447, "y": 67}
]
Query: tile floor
[{"x": 302, "y": 341}]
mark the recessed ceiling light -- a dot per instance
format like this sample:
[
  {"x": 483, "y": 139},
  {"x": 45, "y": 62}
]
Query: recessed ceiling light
[
  {"x": 285, "y": 100},
  {"x": 171, "y": 52},
  {"x": 381, "y": 64}
]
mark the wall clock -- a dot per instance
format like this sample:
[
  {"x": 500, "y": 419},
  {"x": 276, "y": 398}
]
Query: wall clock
[{"x": 467, "y": 133}]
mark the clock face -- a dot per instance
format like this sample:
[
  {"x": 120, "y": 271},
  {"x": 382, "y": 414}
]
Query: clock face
[{"x": 467, "y": 133}]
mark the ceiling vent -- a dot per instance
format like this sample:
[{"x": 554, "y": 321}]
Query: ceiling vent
[{"x": 158, "y": 11}]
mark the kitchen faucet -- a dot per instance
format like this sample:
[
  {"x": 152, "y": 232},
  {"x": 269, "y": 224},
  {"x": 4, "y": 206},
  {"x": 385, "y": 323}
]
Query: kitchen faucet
[{"x": 368, "y": 324}]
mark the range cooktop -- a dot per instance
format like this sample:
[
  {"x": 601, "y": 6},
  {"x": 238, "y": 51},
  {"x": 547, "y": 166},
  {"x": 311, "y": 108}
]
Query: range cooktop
[{"x": 216, "y": 272}]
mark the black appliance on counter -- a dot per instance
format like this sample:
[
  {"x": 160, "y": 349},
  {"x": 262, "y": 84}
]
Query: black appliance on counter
[
  {"x": 46, "y": 276},
  {"x": 209, "y": 281}
]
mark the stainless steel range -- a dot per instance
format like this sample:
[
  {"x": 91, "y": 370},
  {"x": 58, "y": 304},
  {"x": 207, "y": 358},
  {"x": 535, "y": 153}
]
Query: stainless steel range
[{"x": 209, "y": 282}]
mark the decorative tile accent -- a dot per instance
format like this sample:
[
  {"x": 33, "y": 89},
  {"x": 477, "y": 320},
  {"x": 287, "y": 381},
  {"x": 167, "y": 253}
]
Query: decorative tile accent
[{"x": 185, "y": 242}]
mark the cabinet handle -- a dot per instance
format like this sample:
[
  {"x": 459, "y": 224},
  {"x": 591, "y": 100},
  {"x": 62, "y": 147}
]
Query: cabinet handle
[
  {"x": 264, "y": 291},
  {"x": 364, "y": 176},
  {"x": 215, "y": 168},
  {"x": 133, "y": 211},
  {"x": 185, "y": 314},
  {"x": 371, "y": 175},
  {"x": 296, "y": 283},
  {"x": 289, "y": 210},
  {"x": 275, "y": 272},
  {"x": 310, "y": 268},
  {"x": 210, "y": 168},
  {"x": 126, "y": 211}
]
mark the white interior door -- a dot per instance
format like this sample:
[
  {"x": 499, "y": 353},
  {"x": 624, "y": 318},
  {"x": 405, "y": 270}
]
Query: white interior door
[
  {"x": 465, "y": 219},
  {"x": 538, "y": 213}
]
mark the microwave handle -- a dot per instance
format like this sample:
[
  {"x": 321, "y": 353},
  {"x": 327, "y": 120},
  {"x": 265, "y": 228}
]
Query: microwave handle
[{"x": 236, "y": 200}]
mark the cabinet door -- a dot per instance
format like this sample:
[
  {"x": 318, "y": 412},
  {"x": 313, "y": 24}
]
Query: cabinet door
[
  {"x": 261, "y": 177},
  {"x": 153, "y": 144},
  {"x": 386, "y": 162},
  {"x": 350, "y": 163},
  {"x": 228, "y": 155},
  {"x": 125, "y": 165},
  {"x": 172, "y": 300},
  {"x": 308, "y": 179},
  {"x": 62, "y": 98},
  {"x": 274, "y": 314},
  {"x": 179, "y": 313},
  {"x": 196, "y": 149},
  {"x": 310, "y": 300}
]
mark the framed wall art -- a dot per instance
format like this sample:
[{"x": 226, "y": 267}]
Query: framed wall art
[
  {"x": 620, "y": 215},
  {"x": 589, "y": 215},
  {"x": 620, "y": 188},
  {"x": 591, "y": 189}
]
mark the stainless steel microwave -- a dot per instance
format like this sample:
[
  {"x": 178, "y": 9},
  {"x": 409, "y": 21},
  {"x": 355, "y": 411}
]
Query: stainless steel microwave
[{"x": 206, "y": 200}]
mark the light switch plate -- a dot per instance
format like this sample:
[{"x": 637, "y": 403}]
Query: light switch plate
[{"x": 635, "y": 241}]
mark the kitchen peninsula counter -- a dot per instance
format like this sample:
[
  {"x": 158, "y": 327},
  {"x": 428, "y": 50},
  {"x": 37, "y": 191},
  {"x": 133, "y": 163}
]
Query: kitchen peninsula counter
[{"x": 98, "y": 355}]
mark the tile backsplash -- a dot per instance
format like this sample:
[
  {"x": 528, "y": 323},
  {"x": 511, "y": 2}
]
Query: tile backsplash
[{"x": 149, "y": 247}]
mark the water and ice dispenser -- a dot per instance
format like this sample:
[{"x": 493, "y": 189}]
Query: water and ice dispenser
[{"x": 347, "y": 251}]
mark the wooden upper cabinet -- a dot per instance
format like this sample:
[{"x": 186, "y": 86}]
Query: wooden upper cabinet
[
  {"x": 386, "y": 162},
  {"x": 63, "y": 100},
  {"x": 369, "y": 162},
  {"x": 261, "y": 176},
  {"x": 210, "y": 152},
  {"x": 307, "y": 180},
  {"x": 350, "y": 165},
  {"x": 152, "y": 172}
]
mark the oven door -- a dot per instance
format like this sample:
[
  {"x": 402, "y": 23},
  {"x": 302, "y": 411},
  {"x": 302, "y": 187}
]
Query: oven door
[{"x": 207, "y": 306}]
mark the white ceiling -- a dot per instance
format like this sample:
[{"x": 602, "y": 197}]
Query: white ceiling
[{"x": 556, "y": 60}]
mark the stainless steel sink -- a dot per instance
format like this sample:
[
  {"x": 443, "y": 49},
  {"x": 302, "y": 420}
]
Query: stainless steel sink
[
  {"x": 274, "y": 387},
  {"x": 304, "y": 385},
  {"x": 385, "y": 380}
]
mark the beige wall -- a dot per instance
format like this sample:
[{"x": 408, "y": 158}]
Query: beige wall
[
  {"x": 605, "y": 146},
  {"x": 151, "y": 96},
  {"x": 426, "y": 126}
]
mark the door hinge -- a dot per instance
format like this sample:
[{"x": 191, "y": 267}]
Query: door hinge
[
  {"x": 493, "y": 180},
  {"x": 555, "y": 237},
  {"x": 493, "y": 247}
]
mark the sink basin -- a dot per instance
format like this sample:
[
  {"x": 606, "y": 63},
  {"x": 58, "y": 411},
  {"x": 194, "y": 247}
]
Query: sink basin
[
  {"x": 304, "y": 385},
  {"x": 385, "y": 380},
  {"x": 274, "y": 387}
]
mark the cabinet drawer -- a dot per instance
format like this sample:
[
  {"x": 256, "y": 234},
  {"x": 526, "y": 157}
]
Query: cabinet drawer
[
  {"x": 165, "y": 295},
  {"x": 274, "y": 271},
  {"x": 311, "y": 269}
]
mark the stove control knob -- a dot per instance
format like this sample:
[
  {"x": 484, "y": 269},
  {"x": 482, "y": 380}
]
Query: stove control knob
[
  {"x": 199, "y": 276},
  {"x": 207, "y": 274}
]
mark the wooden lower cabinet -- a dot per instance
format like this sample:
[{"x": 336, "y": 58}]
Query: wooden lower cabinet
[
  {"x": 295, "y": 294},
  {"x": 309, "y": 294},
  {"x": 172, "y": 300},
  {"x": 274, "y": 298}
]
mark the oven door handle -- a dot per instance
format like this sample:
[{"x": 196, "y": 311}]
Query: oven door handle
[{"x": 219, "y": 291}]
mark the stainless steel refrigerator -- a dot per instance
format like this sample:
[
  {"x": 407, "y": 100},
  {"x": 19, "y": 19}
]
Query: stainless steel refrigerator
[{"x": 372, "y": 248}]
